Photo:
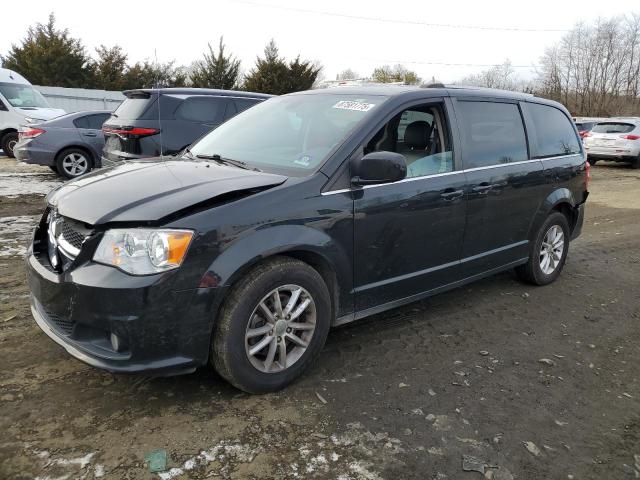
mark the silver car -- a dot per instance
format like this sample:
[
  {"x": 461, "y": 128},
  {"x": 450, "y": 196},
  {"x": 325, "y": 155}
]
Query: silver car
[
  {"x": 616, "y": 139},
  {"x": 70, "y": 145}
]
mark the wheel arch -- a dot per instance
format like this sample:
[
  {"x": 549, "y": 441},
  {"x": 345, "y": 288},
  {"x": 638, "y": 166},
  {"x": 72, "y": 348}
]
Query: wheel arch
[
  {"x": 561, "y": 200},
  {"x": 84, "y": 148},
  {"x": 311, "y": 246}
]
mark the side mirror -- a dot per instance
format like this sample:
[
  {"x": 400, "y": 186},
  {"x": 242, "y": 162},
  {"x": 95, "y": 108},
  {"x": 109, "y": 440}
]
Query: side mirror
[{"x": 378, "y": 167}]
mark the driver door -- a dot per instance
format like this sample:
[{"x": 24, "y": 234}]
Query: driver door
[{"x": 408, "y": 234}]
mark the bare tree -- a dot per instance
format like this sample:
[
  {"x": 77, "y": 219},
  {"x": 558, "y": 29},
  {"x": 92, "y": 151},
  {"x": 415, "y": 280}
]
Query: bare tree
[
  {"x": 594, "y": 69},
  {"x": 347, "y": 74}
]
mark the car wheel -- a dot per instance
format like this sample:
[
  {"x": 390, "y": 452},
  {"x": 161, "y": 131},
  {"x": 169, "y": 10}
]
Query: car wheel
[
  {"x": 73, "y": 162},
  {"x": 636, "y": 163},
  {"x": 53, "y": 168},
  {"x": 548, "y": 252},
  {"x": 592, "y": 161},
  {"x": 272, "y": 326},
  {"x": 9, "y": 142}
]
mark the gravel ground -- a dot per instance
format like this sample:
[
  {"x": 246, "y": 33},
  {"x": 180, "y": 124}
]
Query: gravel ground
[{"x": 521, "y": 382}]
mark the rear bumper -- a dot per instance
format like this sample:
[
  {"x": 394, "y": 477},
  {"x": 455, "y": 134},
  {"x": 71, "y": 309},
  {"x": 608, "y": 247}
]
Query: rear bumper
[
  {"x": 623, "y": 154},
  {"x": 28, "y": 154},
  {"x": 162, "y": 331}
]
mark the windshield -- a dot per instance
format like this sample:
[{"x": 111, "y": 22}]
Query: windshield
[
  {"x": 290, "y": 134},
  {"x": 22, "y": 96}
]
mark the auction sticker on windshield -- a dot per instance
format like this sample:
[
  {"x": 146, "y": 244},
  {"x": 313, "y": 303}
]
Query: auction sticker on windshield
[{"x": 354, "y": 105}]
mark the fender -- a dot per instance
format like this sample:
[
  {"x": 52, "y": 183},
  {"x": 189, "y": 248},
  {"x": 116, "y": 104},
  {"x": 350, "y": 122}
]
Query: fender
[
  {"x": 262, "y": 243},
  {"x": 555, "y": 198}
]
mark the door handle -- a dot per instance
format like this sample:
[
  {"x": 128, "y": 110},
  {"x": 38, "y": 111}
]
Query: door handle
[
  {"x": 482, "y": 189},
  {"x": 451, "y": 194},
  {"x": 90, "y": 134}
]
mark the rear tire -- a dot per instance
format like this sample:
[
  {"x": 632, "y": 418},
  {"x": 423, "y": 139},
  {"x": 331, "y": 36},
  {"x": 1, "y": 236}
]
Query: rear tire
[
  {"x": 592, "y": 161},
  {"x": 8, "y": 143},
  {"x": 243, "y": 326},
  {"x": 73, "y": 162},
  {"x": 548, "y": 251},
  {"x": 636, "y": 163}
]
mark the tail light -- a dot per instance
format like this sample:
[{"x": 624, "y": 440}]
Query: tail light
[
  {"x": 587, "y": 178},
  {"x": 30, "y": 132},
  {"x": 130, "y": 131},
  {"x": 630, "y": 137}
]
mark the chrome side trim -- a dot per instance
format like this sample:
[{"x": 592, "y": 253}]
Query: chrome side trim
[{"x": 412, "y": 179}]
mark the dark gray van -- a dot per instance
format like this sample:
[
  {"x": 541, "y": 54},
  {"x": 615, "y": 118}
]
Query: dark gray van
[
  {"x": 307, "y": 211},
  {"x": 164, "y": 121}
]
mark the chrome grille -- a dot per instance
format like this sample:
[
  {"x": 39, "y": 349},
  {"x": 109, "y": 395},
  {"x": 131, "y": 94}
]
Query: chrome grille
[{"x": 71, "y": 235}]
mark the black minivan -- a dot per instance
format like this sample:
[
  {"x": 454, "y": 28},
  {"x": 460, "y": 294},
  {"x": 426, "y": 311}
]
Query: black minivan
[
  {"x": 305, "y": 212},
  {"x": 155, "y": 122}
]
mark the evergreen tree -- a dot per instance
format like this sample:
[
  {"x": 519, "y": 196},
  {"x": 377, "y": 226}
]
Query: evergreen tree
[
  {"x": 49, "y": 56},
  {"x": 272, "y": 74},
  {"x": 110, "y": 69},
  {"x": 151, "y": 75},
  {"x": 216, "y": 70}
]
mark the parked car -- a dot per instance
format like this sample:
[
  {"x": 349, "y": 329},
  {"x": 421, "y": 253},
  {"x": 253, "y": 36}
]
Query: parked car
[
  {"x": 584, "y": 128},
  {"x": 615, "y": 139},
  {"x": 20, "y": 104},
  {"x": 307, "y": 211},
  {"x": 153, "y": 122},
  {"x": 71, "y": 144}
]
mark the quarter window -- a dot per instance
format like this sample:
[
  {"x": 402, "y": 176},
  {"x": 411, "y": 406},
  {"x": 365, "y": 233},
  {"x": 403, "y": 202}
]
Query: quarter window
[
  {"x": 553, "y": 134},
  {"x": 492, "y": 133},
  {"x": 201, "y": 109}
]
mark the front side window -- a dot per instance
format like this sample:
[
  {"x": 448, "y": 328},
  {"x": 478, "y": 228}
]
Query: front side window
[
  {"x": 292, "y": 134},
  {"x": 22, "y": 96},
  {"x": 421, "y": 135},
  {"x": 492, "y": 133},
  {"x": 553, "y": 135}
]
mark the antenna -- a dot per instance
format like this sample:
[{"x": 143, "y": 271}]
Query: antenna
[{"x": 157, "y": 86}]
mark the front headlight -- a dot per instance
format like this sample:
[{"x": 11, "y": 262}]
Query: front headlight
[{"x": 143, "y": 251}]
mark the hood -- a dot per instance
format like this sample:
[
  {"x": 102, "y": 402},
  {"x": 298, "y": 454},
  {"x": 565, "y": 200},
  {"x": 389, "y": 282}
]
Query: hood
[
  {"x": 147, "y": 191},
  {"x": 40, "y": 113}
]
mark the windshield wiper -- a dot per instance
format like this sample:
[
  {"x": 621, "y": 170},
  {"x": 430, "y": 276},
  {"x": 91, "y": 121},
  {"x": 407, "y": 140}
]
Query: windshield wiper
[{"x": 222, "y": 160}]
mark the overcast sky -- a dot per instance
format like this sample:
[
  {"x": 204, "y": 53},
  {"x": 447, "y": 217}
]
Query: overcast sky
[{"x": 398, "y": 31}]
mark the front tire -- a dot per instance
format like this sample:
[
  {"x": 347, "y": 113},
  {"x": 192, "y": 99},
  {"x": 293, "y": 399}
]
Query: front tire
[
  {"x": 9, "y": 141},
  {"x": 548, "y": 251},
  {"x": 73, "y": 162},
  {"x": 272, "y": 326}
]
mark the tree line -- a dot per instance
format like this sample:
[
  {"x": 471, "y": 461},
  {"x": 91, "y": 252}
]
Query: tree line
[
  {"x": 49, "y": 55},
  {"x": 594, "y": 70}
]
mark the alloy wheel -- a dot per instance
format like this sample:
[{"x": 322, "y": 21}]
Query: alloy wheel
[
  {"x": 551, "y": 250},
  {"x": 75, "y": 164},
  {"x": 280, "y": 328}
]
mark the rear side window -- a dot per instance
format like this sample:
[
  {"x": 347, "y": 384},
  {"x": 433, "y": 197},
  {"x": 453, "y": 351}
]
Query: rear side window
[
  {"x": 613, "y": 127},
  {"x": 201, "y": 109},
  {"x": 492, "y": 133},
  {"x": 244, "y": 103},
  {"x": 93, "y": 122},
  {"x": 552, "y": 133}
]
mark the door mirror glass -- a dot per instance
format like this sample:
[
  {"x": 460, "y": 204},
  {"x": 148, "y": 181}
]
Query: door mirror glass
[{"x": 378, "y": 167}]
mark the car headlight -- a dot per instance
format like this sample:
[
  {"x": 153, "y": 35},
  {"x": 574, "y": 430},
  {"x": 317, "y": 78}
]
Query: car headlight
[{"x": 143, "y": 251}]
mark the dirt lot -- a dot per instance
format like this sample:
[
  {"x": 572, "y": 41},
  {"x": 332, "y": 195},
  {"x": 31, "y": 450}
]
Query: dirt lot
[{"x": 402, "y": 395}]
